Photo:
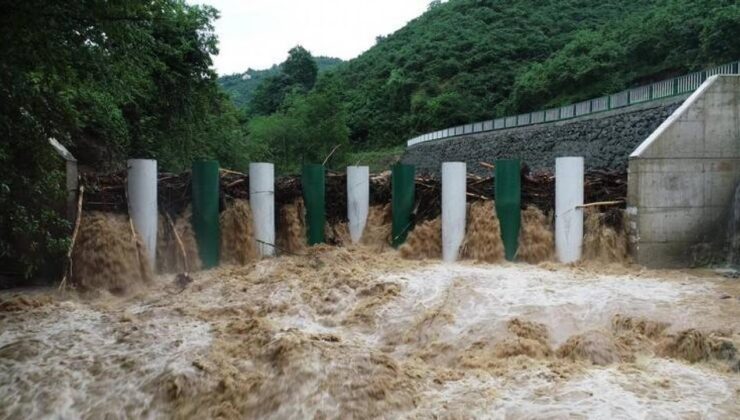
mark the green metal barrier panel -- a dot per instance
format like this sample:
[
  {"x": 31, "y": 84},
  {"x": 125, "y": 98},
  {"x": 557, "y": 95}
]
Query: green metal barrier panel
[
  {"x": 205, "y": 211},
  {"x": 312, "y": 181},
  {"x": 402, "y": 190},
  {"x": 508, "y": 204}
]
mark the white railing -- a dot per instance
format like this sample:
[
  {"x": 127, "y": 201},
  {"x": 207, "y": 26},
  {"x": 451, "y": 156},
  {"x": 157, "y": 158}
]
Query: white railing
[{"x": 658, "y": 90}]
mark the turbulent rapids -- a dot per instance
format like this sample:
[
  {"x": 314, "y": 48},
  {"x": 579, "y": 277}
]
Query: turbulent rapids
[
  {"x": 367, "y": 331},
  {"x": 357, "y": 332}
]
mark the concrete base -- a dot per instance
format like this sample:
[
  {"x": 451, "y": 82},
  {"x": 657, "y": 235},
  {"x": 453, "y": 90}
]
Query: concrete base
[
  {"x": 682, "y": 178},
  {"x": 733, "y": 231}
]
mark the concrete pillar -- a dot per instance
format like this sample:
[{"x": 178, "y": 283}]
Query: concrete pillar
[
  {"x": 142, "y": 202},
  {"x": 358, "y": 200},
  {"x": 72, "y": 190},
  {"x": 568, "y": 216},
  {"x": 262, "y": 201},
  {"x": 206, "y": 185},
  {"x": 453, "y": 209}
]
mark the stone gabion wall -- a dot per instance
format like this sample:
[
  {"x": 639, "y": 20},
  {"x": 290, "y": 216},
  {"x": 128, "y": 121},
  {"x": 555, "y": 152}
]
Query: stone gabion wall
[{"x": 605, "y": 140}]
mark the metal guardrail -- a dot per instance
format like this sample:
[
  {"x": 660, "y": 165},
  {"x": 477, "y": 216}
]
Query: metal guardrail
[{"x": 658, "y": 90}]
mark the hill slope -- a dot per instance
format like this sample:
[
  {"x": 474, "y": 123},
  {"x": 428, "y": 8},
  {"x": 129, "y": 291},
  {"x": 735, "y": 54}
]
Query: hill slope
[
  {"x": 241, "y": 86},
  {"x": 468, "y": 60}
]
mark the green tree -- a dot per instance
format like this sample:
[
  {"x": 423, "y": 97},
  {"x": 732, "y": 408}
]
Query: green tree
[
  {"x": 241, "y": 87},
  {"x": 307, "y": 128},
  {"x": 270, "y": 94},
  {"x": 110, "y": 79},
  {"x": 297, "y": 73},
  {"x": 300, "y": 67},
  {"x": 434, "y": 4}
]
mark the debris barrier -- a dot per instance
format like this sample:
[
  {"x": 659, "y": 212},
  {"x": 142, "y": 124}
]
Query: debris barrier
[
  {"x": 400, "y": 205},
  {"x": 453, "y": 209},
  {"x": 358, "y": 200},
  {"x": 206, "y": 211},
  {"x": 238, "y": 245},
  {"x": 262, "y": 202},
  {"x": 142, "y": 203},
  {"x": 313, "y": 183},
  {"x": 402, "y": 201},
  {"x": 508, "y": 203},
  {"x": 568, "y": 213}
]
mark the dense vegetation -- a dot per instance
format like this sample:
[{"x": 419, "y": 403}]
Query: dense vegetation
[
  {"x": 112, "y": 79},
  {"x": 294, "y": 119},
  {"x": 241, "y": 86},
  {"x": 469, "y": 60},
  {"x": 109, "y": 79}
]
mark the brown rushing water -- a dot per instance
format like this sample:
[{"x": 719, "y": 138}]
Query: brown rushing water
[{"x": 353, "y": 333}]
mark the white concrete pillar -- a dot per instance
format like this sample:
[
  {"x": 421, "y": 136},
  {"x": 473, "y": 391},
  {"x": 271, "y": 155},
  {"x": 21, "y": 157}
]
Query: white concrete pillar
[
  {"x": 142, "y": 203},
  {"x": 262, "y": 201},
  {"x": 454, "y": 184},
  {"x": 568, "y": 216},
  {"x": 72, "y": 190},
  {"x": 358, "y": 200}
]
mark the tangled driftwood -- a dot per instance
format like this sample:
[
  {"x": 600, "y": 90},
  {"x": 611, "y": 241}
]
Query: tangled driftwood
[{"x": 107, "y": 192}]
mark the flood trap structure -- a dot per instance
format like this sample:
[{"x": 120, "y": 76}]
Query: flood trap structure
[{"x": 682, "y": 180}]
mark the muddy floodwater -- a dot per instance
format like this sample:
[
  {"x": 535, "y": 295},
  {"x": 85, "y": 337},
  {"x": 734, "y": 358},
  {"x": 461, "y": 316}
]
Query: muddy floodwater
[{"x": 349, "y": 333}]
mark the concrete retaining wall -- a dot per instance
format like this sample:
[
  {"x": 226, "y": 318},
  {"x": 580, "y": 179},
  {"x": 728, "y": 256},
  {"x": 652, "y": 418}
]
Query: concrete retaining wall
[
  {"x": 605, "y": 140},
  {"x": 733, "y": 233},
  {"x": 682, "y": 180}
]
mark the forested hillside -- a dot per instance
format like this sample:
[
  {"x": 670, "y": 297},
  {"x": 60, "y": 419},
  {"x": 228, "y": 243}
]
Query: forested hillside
[
  {"x": 471, "y": 60},
  {"x": 241, "y": 86},
  {"x": 467, "y": 60},
  {"x": 110, "y": 80}
]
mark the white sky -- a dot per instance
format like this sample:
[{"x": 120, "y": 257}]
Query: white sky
[{"x": 259, "y": 33}]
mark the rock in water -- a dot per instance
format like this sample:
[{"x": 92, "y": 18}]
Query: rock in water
[{"x": 182, "y": 280}]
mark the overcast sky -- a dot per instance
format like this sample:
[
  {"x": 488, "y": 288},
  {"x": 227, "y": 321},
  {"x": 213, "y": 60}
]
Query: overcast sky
[{"x": 259, "y": 33}]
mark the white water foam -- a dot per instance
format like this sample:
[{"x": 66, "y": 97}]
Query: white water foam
[{"x": 76, "y": 362}]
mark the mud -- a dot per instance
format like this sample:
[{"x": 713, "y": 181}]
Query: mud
[
  {"x": 602, "y": 241},
  {"x": 593, "y": 346},
  {"x": 352, "y": 332},
  {"x": 237, "y": 234},
  {"x": 108, "y": 255},
  {"x": 23, "y": 302},
  {"x": 483, "y": 235},
  {"x": 424, "y": 241},
  {"x": 175, "y": 256},
  {"x": 291, "y": 229},
  {"x": 377, "y": 233},
  {"x": 536, "y": 237},
  {"x": 337, "y": 234}
]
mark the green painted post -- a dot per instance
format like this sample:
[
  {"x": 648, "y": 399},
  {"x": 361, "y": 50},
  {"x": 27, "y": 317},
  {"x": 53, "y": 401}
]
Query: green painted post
[
  {"x": 508, "y": 203},
  {"x": 313, "y": 185},
  {"x": 402, "y": 201},
  {"x": 205, "y": 211}
]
